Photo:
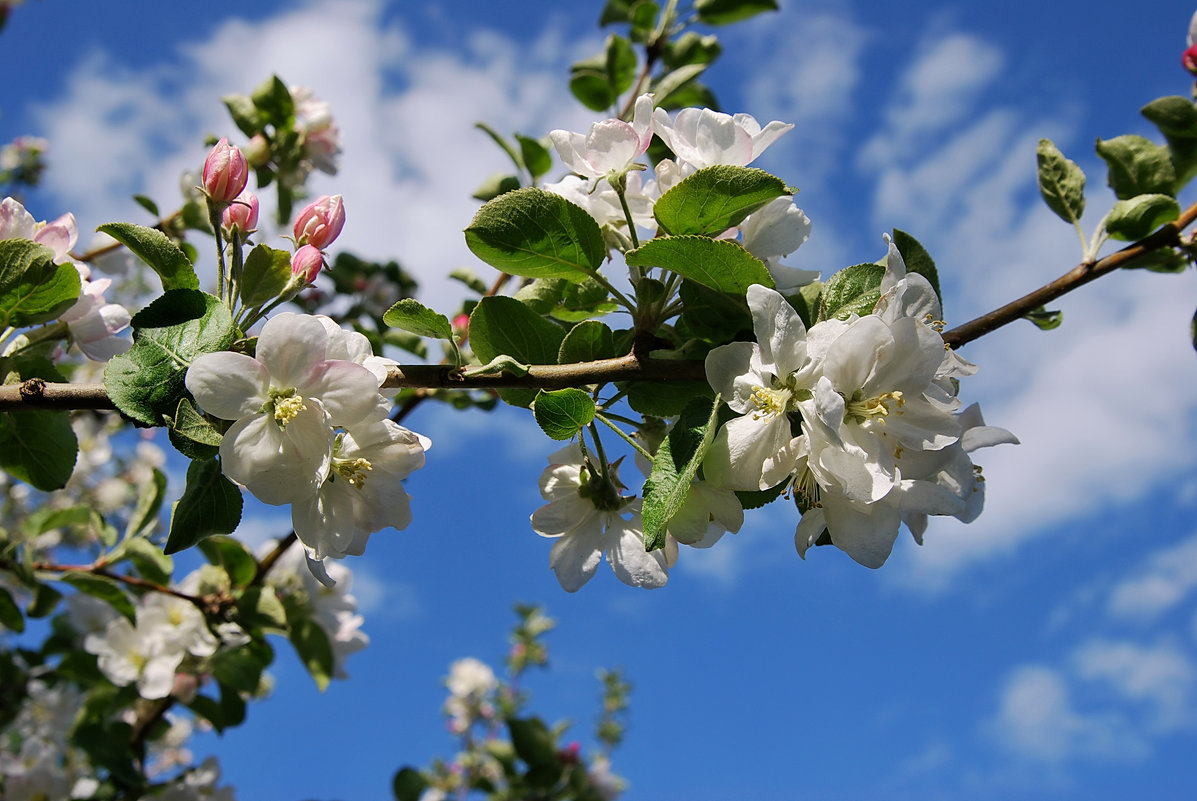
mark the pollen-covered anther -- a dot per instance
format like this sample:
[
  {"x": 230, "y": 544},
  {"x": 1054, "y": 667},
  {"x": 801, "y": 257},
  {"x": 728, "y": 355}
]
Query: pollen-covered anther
[
  {"x": 807, "y": 491},
  {"x": 353, "y": 470},
  {"x": 876, "y": 408},
  {"x": 770, "y": 402},
  {"x": 937, "y": 325},
  {"x": 287, "y": 409}
]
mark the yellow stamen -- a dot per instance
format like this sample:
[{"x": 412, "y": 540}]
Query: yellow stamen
[
  {"x": 770, "y": 402},
  {"x": 287, "y": 409},
  {"x": 353, "y": 470},
  {"x": 875, "y": 408}
]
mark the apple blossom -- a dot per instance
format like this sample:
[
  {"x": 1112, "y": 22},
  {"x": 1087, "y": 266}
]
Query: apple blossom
[
  {"x": 225, "y": 172},
  {"x": 320, "y": 222},
  {"x": 321, "y": 137},
  {"x": 702, "y": 137},
  {"x": 285, "y": 402},
  {"x": 145, "y": 654},
  {"x": 774, "y": 231},
  {"x": 610, "y": 148}
]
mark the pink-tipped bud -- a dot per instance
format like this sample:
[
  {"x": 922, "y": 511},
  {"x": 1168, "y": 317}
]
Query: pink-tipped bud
[
  {"x": 1189, "y": 59},
  {"x": 320, "y": 222},
  {"x": 241, "y": 214},
  {"x": 225, "y": 172},
  {"x": 461, "y": 325},
  {"x": 307, "y": 261}
]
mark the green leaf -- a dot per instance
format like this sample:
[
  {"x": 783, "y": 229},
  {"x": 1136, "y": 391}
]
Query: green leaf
[
  {"x": 38, "y": 447},
  {"x": 45, "y": 598},
  {"x": 1137, "y": 166},
  {"x": 1061, "y": 182},
  {"x": 245, "y": 115},
  {"x": 149, "y": 502},
  {"x": 589, "y": 83},
  {"x": 692, "y": 48},
  {"x": 408, "y": 785},
  {"x": 273, "y": 99},
  {"x": 674, "y": 84},
  {"x": 617, "y": 11},
  {"x": 157, "y": 250},
  {"x": 715, "y": 317},
  {"x": 10, "y": 614},
  {"x": 259, "y": 607},
  {"x": 411, "y": 315},
  {"x": 1131, "y": 220},
  {"x": 852, "y": 290},
  {"x": 314, "y": 649},
  {"x": 211, "y": 504},
  {"x": 716, "y": 263},
  {"x": 675, "y": 466},
  {"x": 151, "y": 563},
  {"x": 563, "y": 413},
  {"x": 191, "y": 433},
  {"x": 108, "y": 745},
  {"x": 1165, "y": 260},
  {"x": 565, "y": 300},
  {"x": 147, "y": 381},
  {"x": 587, "y": 341},
  {"x": 621, "y": 64},
  {"x": 103, "y": 588},
  {"x": 231, "y": 554},
  {"x": 504, "y": 326},
  {"x": 918, "y": 260},
  {"x": 1043, "y": 319},
  {"x": 498, "y": 184},
  {"x": 148, "y": 204},
  {"x": 724, "y": 12},
  {"x": 266, "y": 273},
  {"x": 537, "y": 234},
  {"x": 664, "y": 399},
  {"x": 1176, "y": 118},
  {"x": 536, "y": 156},
  {"x": 533, "y": 742},
  {"x": 1193, "y": 330},
  {"x": 33, "y": 289},
  {"x": 714, "y": 199},
  {"x": 240, "y": 668}
]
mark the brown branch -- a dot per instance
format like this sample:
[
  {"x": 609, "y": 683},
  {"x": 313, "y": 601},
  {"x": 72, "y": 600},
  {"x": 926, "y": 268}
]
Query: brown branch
[{"x": 1167, "y": 236}]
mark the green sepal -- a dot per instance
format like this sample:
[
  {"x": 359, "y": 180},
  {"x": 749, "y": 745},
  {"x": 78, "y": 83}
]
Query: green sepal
[
  {"x": 33, "y": 289},
  {"x": 211, "y": 504},
  {"x": 563, "y": 413},
  {"x": 675, "y": 466},
  {"x": 537, "y": 234},
  {"x": 158, "y": 251},
  {"x": 716, "y": 198},
  {"x": 147, "y": 381},
  {"x": 1133, "y": 219},
  {"x": 720, "y": 264},
  {"x": 1061, "y": 182},
  {"x": 852, "y": 290}
]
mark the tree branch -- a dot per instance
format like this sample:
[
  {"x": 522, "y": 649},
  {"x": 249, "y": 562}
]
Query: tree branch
[{"x": 1167, "y": 236}]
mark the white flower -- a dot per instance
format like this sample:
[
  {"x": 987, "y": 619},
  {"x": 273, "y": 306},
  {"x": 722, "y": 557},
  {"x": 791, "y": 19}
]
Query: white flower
[
  {"x": 610, "y": 148},
  {"x": 147, "y": 654},
  {"x": 774, "y": 231},
  {"x": 602, "y": 203},
  {"x": 703, "y": 138},
  {"x": 198, "y": 784},
  {"x": 285, "y": 402},
  {"x": 470, "y": 677},
  {"x": 587, "y": 519},
  {"x": 321, "y": 137},
  {"x": 185, "y": 622}
]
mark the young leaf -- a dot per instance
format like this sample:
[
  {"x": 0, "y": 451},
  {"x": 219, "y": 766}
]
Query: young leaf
[
  {"x": 1176, "y": 118},
  {"x": 537, "y": 234},
  {"x": 724, "y": 12},
  {"x": 853, "y": 289},
  {"x": 149, "y": 560},
  {"x": 273, "y": 99},
  {"x": 1043, "y": 319},
  {"x": 232, "y": 555},
  {"x": 1131, "y": 220},
  {"x": 412, "y": 316},
  {"x": 408, "y": 785},
  {"x": 621, "y": 64},
  {"x": 533, "y": 741},
  {"x": 536, "y": 156},
  {"x": 674, "y": 467},
  {"x": 157, "y": 250},
  {"x": 563, "y": 413},
  {"x": 211, "y": 504},
  {"x": 587, "y": 342},
  {"x": 146, "y": 382},
  {"x": 266, "y": 273},
  {"x": 589, "y": 83},
  {"x": 1137, "y": 166},
  {"x": 716, "y": 263},
  {"x": 714, "y": 199},
  {"x": 33, "y": 289},
  {"x": 1061, "y": 183},
  {"x": 501, "y": 326}
]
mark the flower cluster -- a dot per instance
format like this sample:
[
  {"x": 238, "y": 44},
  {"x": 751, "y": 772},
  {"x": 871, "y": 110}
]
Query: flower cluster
[
  {"x": 310, "y": 429},
  {"x": 23, "y": 160},
  {"x": 883, "y": 438}
]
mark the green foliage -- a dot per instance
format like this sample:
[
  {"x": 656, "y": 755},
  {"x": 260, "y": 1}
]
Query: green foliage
[
  {"x": 725, "y": 12},
  {"x": 1061, "y": 182},
  {"x": 147, "y": 381},
  {"x": 315, "y": 651},
  {"x": 587, "y": 341},
  {"x": 1137, "y": 166},
  {"x": 211, "y": 504},
  {"x": 918, "y": 260},
  {"x": 38, "y": 447},
  {"x": 1131, "y": 220},
  {"x": 10, "y": 614},
  {"x": 503, "y": 326},
  {"x": 408, "y": 784},
  {"x": 412, "y": 316},
  {"x": 1176, "y": 119},
  {"x": 33, "y": 289},
  {"x": 597, "y": 82},
  {"x": 720, "y": 264},
  {"x": 537, "y": 234},
  {"x": 191, "y": 433},
  {"x": 563, "y": 413},
  {"x": 714, "y": 199},
  {"x": 674, "y": 467},
  {"x": 231, "y": 556},
  {"x": 265, "y": 275},
  {"x": 1044, "y": 319},
  {"x": 149, "y": 502},
  {"x": 853, "y": 290},
  {"x": 104, "y": 588},
  {"x": 157, "y": 250}
]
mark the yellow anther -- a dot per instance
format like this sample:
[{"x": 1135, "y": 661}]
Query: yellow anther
[
  {"x": 353, "y": 470},
  {"x": 770, "y": 401},
  {"x": 875, "y": 408},
  {"x": 287, "y": 409}
]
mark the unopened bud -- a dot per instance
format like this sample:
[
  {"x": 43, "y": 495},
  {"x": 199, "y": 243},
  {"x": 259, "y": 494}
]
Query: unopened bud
[
  {"x": 225, "y": 172},
  {"x": 461, "y": 325},
  {"x": 307, "y": 262},
  {"x": 320, "y": 222},
  {"x": 257, "y": 151},
  {"x": 1189, "y": 59},
  {"x": 241, "y": 214}
]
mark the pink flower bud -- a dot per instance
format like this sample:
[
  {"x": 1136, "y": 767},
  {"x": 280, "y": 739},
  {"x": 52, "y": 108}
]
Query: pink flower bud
[
  {"x": 241, "y": 214},
  {"x": 225, "y": 172},
  {"x": 320, "y": 222},
  {"x": 307, "y": 261},
  {"x": 1189, "y": 59},
  {"x": 461, "y": 326}
]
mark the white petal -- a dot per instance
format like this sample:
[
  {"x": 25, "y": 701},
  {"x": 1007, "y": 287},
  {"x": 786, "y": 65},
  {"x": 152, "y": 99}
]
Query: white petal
[{"x": 228, "y": 385}]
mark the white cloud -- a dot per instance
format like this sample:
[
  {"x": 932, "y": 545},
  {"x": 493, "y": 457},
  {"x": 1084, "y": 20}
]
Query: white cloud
[
  {"x": 1036, "y": 720},
  {"x": 1161, "y": 676},
  {"x": 1167, "y": 578}
]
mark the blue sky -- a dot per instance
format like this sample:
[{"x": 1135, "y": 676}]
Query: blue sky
[{"x": 1049, "y": 650}]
